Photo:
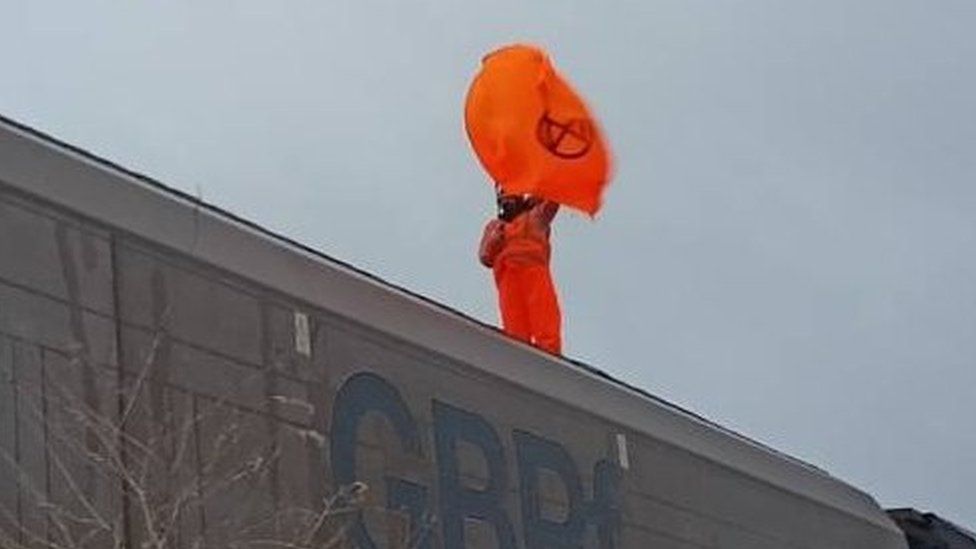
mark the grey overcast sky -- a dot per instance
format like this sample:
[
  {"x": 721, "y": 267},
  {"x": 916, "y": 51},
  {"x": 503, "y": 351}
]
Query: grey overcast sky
[{"x": 789, "y": 246}]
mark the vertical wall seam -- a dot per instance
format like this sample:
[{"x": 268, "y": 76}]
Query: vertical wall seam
[
  {"x": 270, "y": 392},
  {"x": 14, "y": 355},
  {"x": 119, "y": 384},
  {"x": 47, "y": 442}
]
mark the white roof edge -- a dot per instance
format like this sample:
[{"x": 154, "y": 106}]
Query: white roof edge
[{"x": 75, "y": 180}]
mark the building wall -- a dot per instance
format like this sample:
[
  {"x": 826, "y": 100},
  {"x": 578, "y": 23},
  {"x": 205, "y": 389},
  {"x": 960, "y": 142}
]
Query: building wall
[{"x": 150, "y": 395}]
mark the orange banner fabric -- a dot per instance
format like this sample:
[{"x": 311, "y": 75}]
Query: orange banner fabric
[{"x": 533, "y": 133}]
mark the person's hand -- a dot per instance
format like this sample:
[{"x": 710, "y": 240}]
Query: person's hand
[
  {"x": 495, "y": 226},
  {"x": 491, "y": 242}
]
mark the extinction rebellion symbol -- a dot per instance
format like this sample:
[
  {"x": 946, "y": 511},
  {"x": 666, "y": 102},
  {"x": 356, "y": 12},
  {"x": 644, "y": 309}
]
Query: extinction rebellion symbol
[{"x": 566, "y": 139}]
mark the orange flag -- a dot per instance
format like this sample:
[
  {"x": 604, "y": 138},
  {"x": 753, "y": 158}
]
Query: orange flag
[{"x": 533, "y": 133}]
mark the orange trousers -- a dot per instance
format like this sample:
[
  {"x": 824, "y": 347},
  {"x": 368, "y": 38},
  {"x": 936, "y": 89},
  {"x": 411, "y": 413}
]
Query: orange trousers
[{"x": 528, "y": 303}]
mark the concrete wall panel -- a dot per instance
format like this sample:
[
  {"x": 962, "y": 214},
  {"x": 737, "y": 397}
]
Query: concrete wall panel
[
  {"x": 29, "y": 316},
  {"x": 32, "y": 465},
  {"x": 206, "y": 312},
  {"x": 9, "y": 508},
  {"x": 81, "y": 410},
  {"x": 55, "y": 255}
]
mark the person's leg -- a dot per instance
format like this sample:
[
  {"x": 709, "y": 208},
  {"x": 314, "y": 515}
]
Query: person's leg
[
  {"x": 512, "y": 302},
  {"x": 545, "y": 318}
]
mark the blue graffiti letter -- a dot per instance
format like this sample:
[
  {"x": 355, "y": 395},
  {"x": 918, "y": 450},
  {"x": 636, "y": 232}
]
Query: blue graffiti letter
[
  {"x": 362, "y": 394},
  {"x": 458, "y": 502}
]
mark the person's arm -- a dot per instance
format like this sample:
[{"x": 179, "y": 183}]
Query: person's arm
[
  {"x": 544, "y": 212},
  {"x": 491, "y": 242}
]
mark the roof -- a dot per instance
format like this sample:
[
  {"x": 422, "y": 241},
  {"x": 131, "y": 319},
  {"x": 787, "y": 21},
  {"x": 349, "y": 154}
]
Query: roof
[{"x": 932, "y": 523}]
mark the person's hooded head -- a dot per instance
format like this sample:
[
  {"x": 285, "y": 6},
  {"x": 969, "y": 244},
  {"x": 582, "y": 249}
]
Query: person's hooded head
[{"x": 511, "y": 206}]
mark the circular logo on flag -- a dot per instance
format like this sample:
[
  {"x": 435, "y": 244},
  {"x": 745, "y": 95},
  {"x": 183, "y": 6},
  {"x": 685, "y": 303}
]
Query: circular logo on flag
[{"x": 569, "y": 139}]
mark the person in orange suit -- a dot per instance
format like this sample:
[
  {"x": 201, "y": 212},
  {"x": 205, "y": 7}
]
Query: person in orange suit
[{"x": 516, "y": 247}]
